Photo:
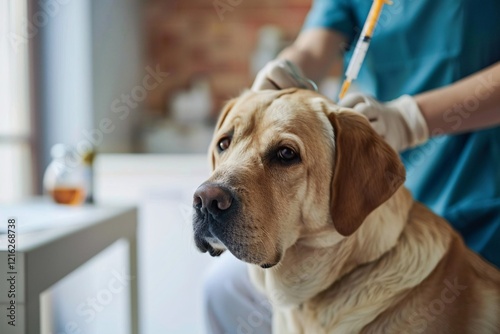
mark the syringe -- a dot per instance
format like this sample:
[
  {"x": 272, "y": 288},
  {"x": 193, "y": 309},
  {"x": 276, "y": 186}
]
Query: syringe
[{"x": 362, "y": 45}]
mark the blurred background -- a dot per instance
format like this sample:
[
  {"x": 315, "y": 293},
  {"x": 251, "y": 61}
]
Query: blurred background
[{"x": 138, "y": 83}]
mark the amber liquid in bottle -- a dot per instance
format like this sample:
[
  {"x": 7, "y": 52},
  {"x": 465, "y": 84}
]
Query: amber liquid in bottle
[{"x": 67, "y": 195}]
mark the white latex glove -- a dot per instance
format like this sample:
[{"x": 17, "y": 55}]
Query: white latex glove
[
  {"x": 281, "y": 74},
  {"x": 400, "y": 122}
]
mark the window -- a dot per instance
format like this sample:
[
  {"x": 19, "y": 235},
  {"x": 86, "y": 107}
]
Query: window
[{"x": 15, "y": 133}]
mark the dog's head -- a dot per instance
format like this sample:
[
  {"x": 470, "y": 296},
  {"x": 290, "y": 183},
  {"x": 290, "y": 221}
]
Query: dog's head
[{"x": 289, "y": 164}]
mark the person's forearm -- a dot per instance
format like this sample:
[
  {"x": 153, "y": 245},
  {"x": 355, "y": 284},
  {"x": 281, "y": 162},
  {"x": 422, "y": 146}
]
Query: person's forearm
[
  {"x": 472, "y": 103},
  {"x": 314, "y": 52}
]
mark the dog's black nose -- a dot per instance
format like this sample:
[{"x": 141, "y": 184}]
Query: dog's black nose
[{"x": 212, "y": 198}]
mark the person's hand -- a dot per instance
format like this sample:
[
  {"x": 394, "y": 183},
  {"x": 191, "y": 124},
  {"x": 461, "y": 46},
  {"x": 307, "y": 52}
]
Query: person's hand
[
  {"x": 400, "y": 122},
  {"x": 281, "y": 74}
]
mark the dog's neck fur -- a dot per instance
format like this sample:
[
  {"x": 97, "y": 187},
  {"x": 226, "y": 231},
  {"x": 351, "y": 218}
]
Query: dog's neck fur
[{"x": 308, "y": 271}]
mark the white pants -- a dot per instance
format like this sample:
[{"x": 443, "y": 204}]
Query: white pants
[{"x": 231, "y": 304}]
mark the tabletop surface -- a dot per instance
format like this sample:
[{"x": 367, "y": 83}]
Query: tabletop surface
[{"x": 39, "y": 220}]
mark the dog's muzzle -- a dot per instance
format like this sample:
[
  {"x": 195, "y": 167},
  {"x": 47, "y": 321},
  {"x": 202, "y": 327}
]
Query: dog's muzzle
[
  {"x": 214, "y": 206},
  {"x": 218, "y": 226}
]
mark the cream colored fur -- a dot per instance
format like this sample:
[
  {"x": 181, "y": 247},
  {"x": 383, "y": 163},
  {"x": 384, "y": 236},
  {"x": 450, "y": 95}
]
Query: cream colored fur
[{"x": 361, "y": 293}]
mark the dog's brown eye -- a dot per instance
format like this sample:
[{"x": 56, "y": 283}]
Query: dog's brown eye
[
  {"x": 224, "y": 144},
  {"x": 287, "y": 154}
]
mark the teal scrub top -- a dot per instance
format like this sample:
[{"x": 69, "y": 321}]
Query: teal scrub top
[{"x": 420, "y": 45}]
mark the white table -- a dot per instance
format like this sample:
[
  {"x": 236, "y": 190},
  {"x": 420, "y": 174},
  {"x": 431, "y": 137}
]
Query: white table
[{"x": 52, "y": 241}]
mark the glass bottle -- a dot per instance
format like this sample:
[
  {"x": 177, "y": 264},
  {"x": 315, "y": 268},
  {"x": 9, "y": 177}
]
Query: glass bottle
[{"x": 64, "y": 178}]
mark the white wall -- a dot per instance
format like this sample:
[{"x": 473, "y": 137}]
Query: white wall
[
  {"x": 117, "y": 67},
  {"x": 90, "y": 53},
  {"x": 64, "y": 65}
]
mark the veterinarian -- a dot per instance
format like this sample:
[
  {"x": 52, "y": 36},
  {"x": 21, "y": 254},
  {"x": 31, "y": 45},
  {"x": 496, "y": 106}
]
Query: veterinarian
[{"x": 431, "y": 87}]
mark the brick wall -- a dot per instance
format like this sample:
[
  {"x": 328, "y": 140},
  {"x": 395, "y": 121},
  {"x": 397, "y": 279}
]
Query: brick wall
[{"x": 189, "y": 38}]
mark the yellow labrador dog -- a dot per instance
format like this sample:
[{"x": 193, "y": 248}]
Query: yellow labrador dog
[{"x": 313, "y": 199}]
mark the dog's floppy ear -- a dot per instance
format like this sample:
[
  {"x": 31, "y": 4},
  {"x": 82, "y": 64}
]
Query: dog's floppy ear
[
  {"x": 367, "y": 171},
  {"x": 222, "y": 117}
]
